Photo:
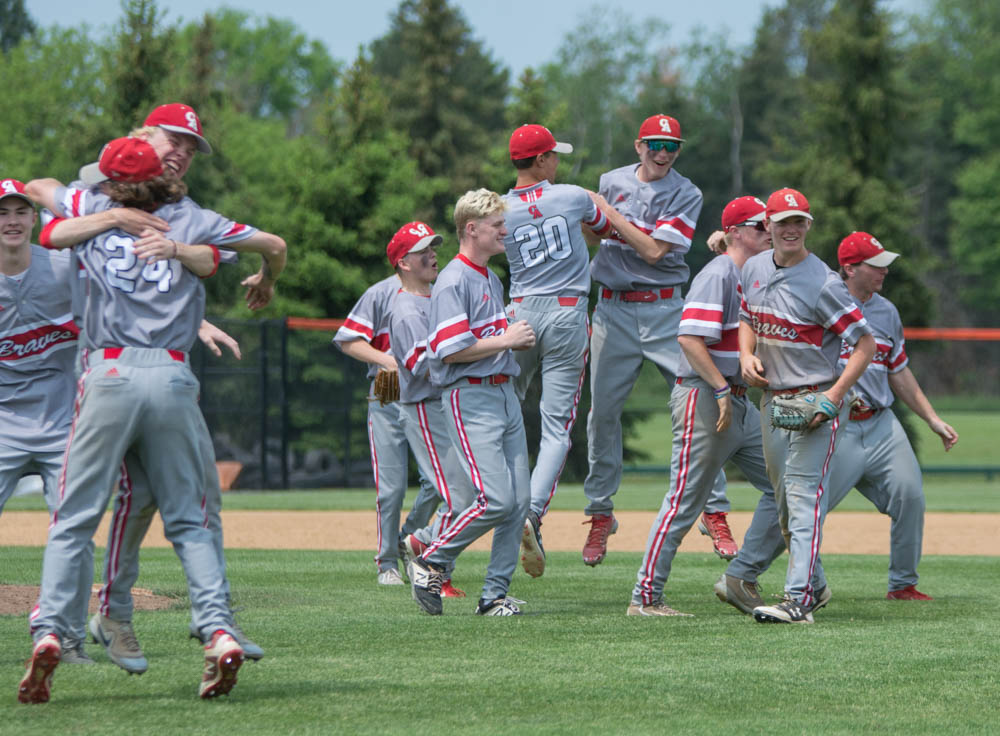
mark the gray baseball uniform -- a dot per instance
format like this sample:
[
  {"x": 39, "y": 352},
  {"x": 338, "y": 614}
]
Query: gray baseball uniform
[
  {"x": 138, "y": 394},
  {"x": 485, "y": 420},
  {"x": 800, "y": 315},
  {"x": 711, "y": 311},
  {"x": 368, "y": 320},
  {"x": 424, "y": 420},
  {"x": 638, "y": 310},
  {"x": 549, "y": 284}
]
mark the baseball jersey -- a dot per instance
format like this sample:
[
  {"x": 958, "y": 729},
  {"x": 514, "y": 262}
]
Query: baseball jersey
[
  {"x": 890, "y": 351},
  {"x": 800, "y": 315},
  {"x": 408, "y": 335},
  {"x": 38, "y": 340},
  {"x": 126, "y": 302},
  {"x": 712, "y": 311},
  {"x": 466, "y": 305},
  {"x": 666, "y": 209},
  {"x": 368, "y": 320},
  {"x": 545, "y": 248}
]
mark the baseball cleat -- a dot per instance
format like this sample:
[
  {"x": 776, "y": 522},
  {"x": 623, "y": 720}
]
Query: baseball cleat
[
  {"x": 390, "y": 576},
  {"x": 739, "y": 593},
  {"x": 251, "y": 650},
  {"x": 909, "y": 593},
  {"x": 118, "y": 640},
  {"x": 74, "y": 653},
  {"x": 596, "y": 547},
  {"x": 823, "y": 596},
  {"x": 716, "y": 527},
  {"x": 412, "y": 547},
  {"x": 223, "y": 658},
  {"x": 426, "y": 580},
  {"x": 497, "y": 607},
  {"x": 659, "y": 608},
  {"x": 532, "y": 551},
  {"x": 36, "y": 685},
  {"x": 786, "y": 612},
  {"x": 450, "y": 591}
]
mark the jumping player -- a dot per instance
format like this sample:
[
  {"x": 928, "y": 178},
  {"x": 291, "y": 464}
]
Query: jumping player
[
  {"x": 793, "y": 316},
  {"x": 411, "y": 253},
  {"x": 470, "y": 358},
  {"x": 713, "y": 421},
  {"x": 364, "y": 336},
  {"x": 549, "y": 284},
  {"x": 640, "y": 268},
  {"x": 137, "y": 394}
]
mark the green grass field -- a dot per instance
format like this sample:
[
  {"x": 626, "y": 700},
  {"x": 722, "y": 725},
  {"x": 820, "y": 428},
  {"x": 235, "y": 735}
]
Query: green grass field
[{"x": 344, "y": 656}]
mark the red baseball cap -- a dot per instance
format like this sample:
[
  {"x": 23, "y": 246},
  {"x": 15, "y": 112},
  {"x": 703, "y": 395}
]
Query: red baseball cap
[
  {"x": 13, "y": 188},
  {"x": 860, "y": 247},
  {"x": 534, "y": 140},
  {"x": 124, "y": 159},
  {"x": 743, "y": 209},
  {"x": 786, "y": 203},
  {"x": 179, "y": 119},
  {"x": 662, "y": 128},
  {"x": 413, "y": 237}
]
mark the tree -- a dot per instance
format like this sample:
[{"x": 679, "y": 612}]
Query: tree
[
  {"x": 15, "y": 24},
  {"x": 140, "y": 62}
]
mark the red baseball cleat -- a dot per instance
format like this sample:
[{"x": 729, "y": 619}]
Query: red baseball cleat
[
  {"x": 450, "y": 591},
  {"x": 596, "y": 547},
  {"x": 909, "y": 593},
  {"x": 716, "y": 527},
  {"x": 36, "y": 685}
]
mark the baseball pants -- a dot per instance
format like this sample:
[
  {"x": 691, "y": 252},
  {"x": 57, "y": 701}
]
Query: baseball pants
[
  {"x": 624, "y": 335},
  {"x": 144, "y": 399},
  {"x": 487, "y": 426},
  {"x": 562, "y": 337},
  {"x": 699, "y": 452},
  {"x": 799, "y": 464},
  {"x": 390, "y": 466}
]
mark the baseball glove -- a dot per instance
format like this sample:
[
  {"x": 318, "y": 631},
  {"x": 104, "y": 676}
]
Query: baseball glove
[
  {"x": 796, "y": 412},
  {"x": 386, "y": 386}
]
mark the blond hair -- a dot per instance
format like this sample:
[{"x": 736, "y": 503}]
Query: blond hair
[{"x": 475, "y": 205}]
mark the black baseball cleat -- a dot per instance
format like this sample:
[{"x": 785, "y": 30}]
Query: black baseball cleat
[
  {"x": 426, "y": 580},
  {"x": 786, "y": 612}
]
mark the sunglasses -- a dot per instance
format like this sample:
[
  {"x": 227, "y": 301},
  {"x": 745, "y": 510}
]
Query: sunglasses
[
  {"x": 758, "y": 224},
  {"x": 668, "y": 146}
]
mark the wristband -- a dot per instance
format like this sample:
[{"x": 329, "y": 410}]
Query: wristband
[
  {"x": 175, "y": 248},
  {"x": 720, "y": 392}
]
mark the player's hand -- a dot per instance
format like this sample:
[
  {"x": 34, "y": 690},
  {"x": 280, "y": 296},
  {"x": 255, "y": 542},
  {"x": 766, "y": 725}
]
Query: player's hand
[
  {"x": 725, "y": 413},
  {"x": 716, "y": 241},
  {"x": 753, "y": 371},
  {"x": 948, "y": 435},
  {"x": 154, "y": 246},
  {"x": 213, "y": 338},
  {"x": 134, "y": 221},
  {"x": 520, "y": 336},
  {"x": 820, "y": 417},
  {"x": 260, "y": 290},
  {"x": 599, "y": 200}
]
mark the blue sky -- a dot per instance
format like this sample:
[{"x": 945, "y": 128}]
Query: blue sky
[{"x": 520, "y": 33}]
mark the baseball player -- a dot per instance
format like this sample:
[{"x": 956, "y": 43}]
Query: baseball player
[
  {"x": 713, "y": 422},
  {"x": 364, "y": 336},
  {"x": 137, "y": 393},
  {"x": 469, "y": 347},
  {"x": 793, "y": 316},
  {"x": 873, "y": 453},
  {"x": 549, "y": 284},
  {"x": 411, "y": 253},
  {"x": 640, "y": 269}
]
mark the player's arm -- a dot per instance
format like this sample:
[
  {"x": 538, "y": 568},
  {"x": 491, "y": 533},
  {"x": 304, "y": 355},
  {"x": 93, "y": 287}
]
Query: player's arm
[
  {"x": 904, "y": 384},
  {"x": 363, "y": 351},
  {"x": 696, "y": 352},
  {"x": 273, "y": 250},
  {"x": 861, "y": 356},
  {"x": 750, "y": 365},
  {"x": 650, "y": 249},
  {"x": 518, "y": 336},
  {"x": 215, "y": 339}
]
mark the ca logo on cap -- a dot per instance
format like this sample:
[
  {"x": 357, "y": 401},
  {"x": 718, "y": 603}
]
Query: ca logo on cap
[
  {"x": 8, "y": 186},
  {"x": 192, "y": 120},
  {"x": 665, "y": 125},
  {"x": 790, "y": 200},
  {"x": 419, "y": 230}
]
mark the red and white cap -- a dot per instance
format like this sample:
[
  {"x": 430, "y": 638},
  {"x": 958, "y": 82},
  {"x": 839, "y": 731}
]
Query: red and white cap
[
  {"x": 413, "y": 237},
  {"x": 534, "y": 140},
  {"x": 743, "y": 209},
  {"x": 860, "y": 247},
  {"x": 13, "y": 188},
  {"x": 660, "y": 128},
  {"x": 124, "y": 159},
  {"x": 179, "y": 119},
  {"x": 786, "y": 203}
]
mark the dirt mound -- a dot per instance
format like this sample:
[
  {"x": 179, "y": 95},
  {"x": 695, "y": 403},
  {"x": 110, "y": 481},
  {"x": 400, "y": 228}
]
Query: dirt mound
[{"x": 20, "y": 599}]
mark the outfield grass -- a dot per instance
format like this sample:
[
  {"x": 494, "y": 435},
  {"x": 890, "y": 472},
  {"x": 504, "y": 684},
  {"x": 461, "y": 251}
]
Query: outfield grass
[{"x": 344, "y": 656}]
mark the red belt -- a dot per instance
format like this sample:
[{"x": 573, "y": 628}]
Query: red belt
[
  {"x": 115, "y": 353},
  {"x": 564, "y": 301},
  {"x": 639, "y": 296},
  {"x": 790, "y": 391},
  {"x": 491, "y": 380},
  {"x": 861, "y": 414},
  {"x": 737, "y": 391}
]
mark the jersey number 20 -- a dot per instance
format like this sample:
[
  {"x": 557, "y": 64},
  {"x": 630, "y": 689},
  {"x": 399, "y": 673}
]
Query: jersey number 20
[{"x": 550, "y": 240}]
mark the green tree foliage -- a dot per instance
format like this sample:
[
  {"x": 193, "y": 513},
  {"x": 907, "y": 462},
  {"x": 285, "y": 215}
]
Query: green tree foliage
[
  {"x": 140, "y": 61},
  {"x": 15, "y": 24}
]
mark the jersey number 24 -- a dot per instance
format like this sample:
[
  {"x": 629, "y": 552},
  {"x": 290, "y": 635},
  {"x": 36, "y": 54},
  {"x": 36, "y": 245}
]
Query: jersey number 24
[{"x": 118, "y": 269}]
